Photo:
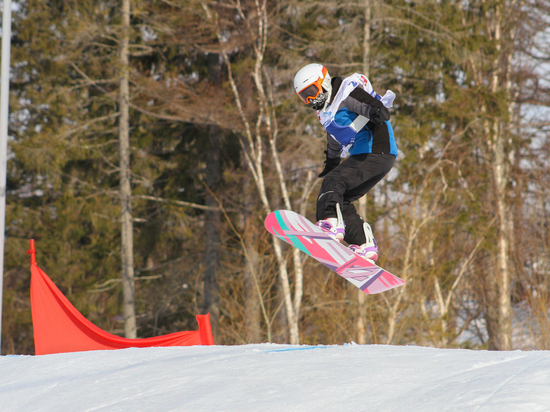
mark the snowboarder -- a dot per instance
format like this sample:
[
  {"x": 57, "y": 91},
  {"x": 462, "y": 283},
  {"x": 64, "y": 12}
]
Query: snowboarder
[{"x": 356, "y": 119}]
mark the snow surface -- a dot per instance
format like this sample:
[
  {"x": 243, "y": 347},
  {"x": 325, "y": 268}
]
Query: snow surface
[{"x": 271, "y": 377}]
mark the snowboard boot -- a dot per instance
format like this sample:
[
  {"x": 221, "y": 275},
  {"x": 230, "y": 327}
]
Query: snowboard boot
[
  {"x": 369, "y": 249},
  {"x": 333, "y": 226}
]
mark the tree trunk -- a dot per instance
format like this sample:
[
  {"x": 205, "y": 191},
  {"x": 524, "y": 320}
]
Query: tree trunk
[
  {"x": 212, "y": 218},
  {"x": 252, "y": 300},
  {"x": 504, "y": 313},
  {"x": 361, "y": 296},
  {"x": 500, "y": 169},
  {"x": 212, "y": 221},
  {"x": 127, "y": 252}
]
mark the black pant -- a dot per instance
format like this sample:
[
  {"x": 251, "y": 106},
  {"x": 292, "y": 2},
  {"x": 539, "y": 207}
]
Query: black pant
[{"x": 348, "y": 182}]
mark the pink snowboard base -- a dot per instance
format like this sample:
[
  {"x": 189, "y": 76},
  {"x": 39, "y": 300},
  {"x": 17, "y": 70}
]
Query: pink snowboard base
[{"x": 301, "y": 233}]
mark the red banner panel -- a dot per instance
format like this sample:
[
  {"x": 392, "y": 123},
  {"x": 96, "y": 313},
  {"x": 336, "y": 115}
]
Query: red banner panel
[{"x": 59, "y": 327}]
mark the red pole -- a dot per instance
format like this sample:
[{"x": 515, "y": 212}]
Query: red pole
[{"x": 32, "y": 252}]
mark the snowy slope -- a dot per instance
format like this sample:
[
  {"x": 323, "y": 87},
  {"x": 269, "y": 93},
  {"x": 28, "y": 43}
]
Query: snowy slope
[{"x": 271, "y": 377}]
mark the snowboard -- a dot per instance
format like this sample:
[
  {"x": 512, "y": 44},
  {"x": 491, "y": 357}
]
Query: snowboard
[{"x": 298, "y": 231}]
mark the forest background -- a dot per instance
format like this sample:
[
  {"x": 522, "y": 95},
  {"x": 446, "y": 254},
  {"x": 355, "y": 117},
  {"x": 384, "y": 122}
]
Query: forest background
[{"x": 150, "y": 139}]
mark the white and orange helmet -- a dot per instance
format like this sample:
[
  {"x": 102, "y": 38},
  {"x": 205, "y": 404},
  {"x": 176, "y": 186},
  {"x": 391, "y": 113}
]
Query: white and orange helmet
[{"x": 312, "y": 84}]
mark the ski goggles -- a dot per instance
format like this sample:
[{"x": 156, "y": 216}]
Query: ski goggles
[{"x": 312, "y": 91}]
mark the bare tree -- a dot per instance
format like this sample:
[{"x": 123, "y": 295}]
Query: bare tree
[
  {"x": 252, "y": 142},
  {"x": 496, "y": 136}
]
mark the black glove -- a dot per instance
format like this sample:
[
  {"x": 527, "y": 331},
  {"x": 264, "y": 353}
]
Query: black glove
[
  {"x": 379, "y": 114},
  {"x": 329, "y": 165}
]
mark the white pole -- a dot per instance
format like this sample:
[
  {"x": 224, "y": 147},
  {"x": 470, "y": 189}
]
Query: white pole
[{"x": 4, "y": 103}]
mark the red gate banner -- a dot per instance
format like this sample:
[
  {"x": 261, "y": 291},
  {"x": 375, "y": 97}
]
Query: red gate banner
[{"x": 59, "y": 327}]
